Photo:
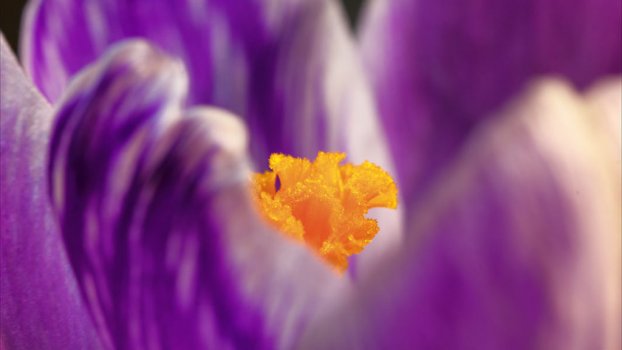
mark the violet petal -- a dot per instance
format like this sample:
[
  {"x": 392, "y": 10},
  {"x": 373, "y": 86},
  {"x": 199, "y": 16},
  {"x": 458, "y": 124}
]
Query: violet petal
[
  {"x": 40, "y": 305},
  {"x": 288, "y": 68},
  {"x": 518, "y": 249},
  {"x": 440, "y": 67},
  {"x": 154, "y": 204}
]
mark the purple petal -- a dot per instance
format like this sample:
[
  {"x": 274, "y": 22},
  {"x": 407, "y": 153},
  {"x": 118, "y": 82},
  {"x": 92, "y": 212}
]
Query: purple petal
[
  {"x": 289, "y": 68},
  {"x": 441, "y": 67},
  {"x": 40, "y": 306},
  {"x": 518, "y": 249},
  {"x": 160, "y": 227}
]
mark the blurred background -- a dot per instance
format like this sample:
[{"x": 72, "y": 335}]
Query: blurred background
[{"x": 11, "y": 16}]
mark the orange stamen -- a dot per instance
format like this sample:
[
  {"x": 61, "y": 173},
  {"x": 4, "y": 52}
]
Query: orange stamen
[{"x": 323, "y": 203}]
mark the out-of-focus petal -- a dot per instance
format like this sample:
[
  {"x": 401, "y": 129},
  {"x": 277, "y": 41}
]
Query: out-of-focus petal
[
  {"x": 161, "y": 230},
  {"x": 40, "y": 306},
  {"x": 519, "y": 249},
  {"x": 439, "y": 67},
  {"x": 606, "y": 97}
]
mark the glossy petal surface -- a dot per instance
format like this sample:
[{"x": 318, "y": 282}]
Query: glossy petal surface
[
  {"x": 518, "y": 249},
  {"x": 40, "y": 305},
  {"x": 439, "y": 68},
  {"x": 155, "y": 207}
]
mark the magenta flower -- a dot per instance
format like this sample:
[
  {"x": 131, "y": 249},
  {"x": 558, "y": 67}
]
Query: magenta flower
[{"x": 126, "y": 220}]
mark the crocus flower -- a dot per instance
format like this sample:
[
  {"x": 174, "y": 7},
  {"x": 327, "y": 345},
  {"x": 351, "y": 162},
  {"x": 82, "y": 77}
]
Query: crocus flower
[{"x": 127, "y": 220}]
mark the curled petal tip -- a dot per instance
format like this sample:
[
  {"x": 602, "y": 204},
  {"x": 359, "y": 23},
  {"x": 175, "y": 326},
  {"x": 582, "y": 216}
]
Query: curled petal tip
[{"x": 152, "y": 199}]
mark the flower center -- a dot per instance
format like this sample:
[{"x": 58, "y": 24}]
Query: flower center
[{"x": 323, "y": 203}]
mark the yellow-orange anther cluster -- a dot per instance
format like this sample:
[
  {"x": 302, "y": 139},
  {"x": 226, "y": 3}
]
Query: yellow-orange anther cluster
[{"x": 323, "y": 203}]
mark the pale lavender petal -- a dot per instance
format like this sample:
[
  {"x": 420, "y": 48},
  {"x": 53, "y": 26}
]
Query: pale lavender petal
[
  {"x": 518, "y": 249},
  {"x": 606, "y": 98},
  {"x": 441, "y": 67},
  {"x": 40, "y": 306},
  {"x": 154, "y": 204}
]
